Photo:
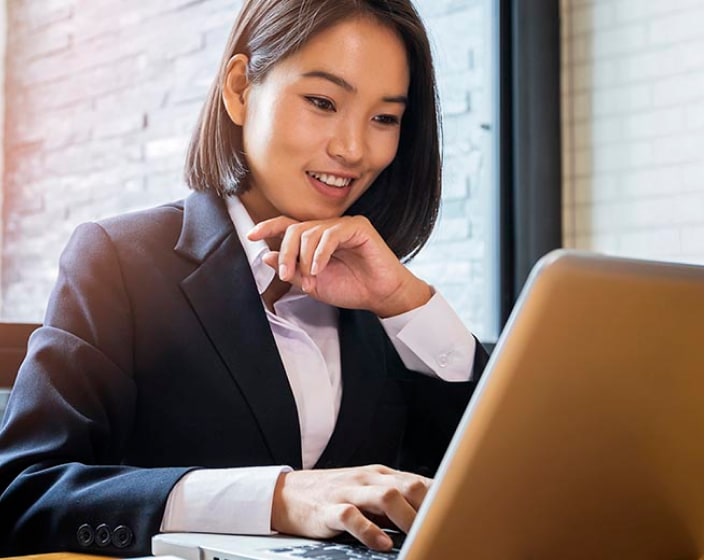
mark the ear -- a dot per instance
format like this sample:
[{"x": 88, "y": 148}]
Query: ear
[{"x": 234, "y": 88}]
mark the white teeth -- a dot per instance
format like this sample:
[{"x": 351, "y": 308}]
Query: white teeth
[{"x": 331, "y": 180}]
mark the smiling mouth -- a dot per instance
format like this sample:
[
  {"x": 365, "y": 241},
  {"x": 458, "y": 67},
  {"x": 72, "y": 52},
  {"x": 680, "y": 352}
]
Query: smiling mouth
[{"x": 331, "y": 180}]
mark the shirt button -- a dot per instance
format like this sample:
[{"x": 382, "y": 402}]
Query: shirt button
[{"x": 444, "y": 359}]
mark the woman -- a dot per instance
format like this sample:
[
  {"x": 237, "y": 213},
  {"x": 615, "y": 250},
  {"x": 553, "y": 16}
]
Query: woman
[{"x": 255, "y": 358}]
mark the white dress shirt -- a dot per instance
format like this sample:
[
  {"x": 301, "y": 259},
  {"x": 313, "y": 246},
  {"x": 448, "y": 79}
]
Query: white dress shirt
[{"x": 239, "y": 500}]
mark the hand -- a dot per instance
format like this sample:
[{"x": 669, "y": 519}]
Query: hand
[
  {"x": 343, "y": 262},
  {"x": 324, "y": 503}
]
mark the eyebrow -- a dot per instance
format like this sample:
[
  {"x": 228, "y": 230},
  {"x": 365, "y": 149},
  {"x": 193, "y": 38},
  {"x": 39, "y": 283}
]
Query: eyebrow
[{"x": 347, "y": 86}]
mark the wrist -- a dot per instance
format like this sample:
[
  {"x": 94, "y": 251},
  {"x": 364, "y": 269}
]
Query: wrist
[
  {"x": 409, "y": 295},
  {"x": 278, "y": 521}
]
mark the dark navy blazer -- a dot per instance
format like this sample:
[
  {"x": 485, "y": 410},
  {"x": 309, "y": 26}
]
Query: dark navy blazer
[{"x": 156, "y": 357}]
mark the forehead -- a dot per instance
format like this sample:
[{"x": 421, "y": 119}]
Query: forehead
[{"x": 360, "y": 50}]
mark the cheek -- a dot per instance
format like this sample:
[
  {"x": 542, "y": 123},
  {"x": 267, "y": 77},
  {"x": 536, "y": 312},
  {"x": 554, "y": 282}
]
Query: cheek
[
  {"x": 268, "y": 124},
  {"x": 385, "y": 149},
  {"x": 257, "y": 135},
  {"x": 293, "y": 133}
]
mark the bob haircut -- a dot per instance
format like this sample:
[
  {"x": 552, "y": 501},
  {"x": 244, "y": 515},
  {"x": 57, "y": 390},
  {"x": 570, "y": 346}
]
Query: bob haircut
[{"x": 402, "y": 204}]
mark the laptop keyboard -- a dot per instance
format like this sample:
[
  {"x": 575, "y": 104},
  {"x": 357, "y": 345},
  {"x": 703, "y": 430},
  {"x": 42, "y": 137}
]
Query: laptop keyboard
[{"x": 334, "y": 551}]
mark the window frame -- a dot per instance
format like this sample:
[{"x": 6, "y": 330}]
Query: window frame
[{"x": 529, "y": 151}]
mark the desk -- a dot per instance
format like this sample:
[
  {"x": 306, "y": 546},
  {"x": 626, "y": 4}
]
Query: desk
[{"x": 57, "y": 556}]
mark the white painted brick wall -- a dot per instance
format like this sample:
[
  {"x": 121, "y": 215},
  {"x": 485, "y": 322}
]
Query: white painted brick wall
[
  {"x": 101, "y": 99},
  {"x": 3, "y": 37},
  {"x": 456, "y": 259},
  {"x": 632, "y": 103},
  {"x": 105, "y": 95}
]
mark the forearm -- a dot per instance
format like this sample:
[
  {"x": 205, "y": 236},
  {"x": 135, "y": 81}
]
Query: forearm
[
  {"x": 67, "y": 507},
  {"x": 231, "y": 501},
  {"x": 434, "y": 341},
  {"x": 61, "y": 446}
]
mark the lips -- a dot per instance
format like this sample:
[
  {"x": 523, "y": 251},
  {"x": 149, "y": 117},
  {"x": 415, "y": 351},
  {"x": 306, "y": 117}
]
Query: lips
[{"x": 330, "y": 180}]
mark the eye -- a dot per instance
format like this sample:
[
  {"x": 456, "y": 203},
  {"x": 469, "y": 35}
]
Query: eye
[
  {"x": 387, "y": 120},
  {"x": 321, "y": 103}
]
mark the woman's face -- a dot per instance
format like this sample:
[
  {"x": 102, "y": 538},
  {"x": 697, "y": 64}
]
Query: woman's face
[{"x": 324, "y": 122}]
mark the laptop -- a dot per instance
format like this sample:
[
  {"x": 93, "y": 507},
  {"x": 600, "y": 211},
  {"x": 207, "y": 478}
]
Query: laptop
[{"x": 583, "y": 440}]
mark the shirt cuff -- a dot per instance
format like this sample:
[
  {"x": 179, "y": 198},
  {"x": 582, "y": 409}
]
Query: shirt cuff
[
  {"x": 232, "y": 501},
  {"x": 432, "y": 340}
]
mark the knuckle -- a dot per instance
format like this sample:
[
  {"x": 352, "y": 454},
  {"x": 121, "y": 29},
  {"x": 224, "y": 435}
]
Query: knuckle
[
  {"x": 296, "y": 229},
  {"x": 360, "y": 477},
  {"x": 328, "y": 233},
  {"x": 347, "y": 513},
  {"x": 309, "y": 233},
  {"x": 416, "y": 486},
  {"x": 362, "y": 220},
  {"x": 390, "y": 496}
]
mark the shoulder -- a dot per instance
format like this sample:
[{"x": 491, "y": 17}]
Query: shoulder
[
  {"x": 152, "y": 231},
  {"x": 162, "y": 223},
  {"x": 159, "y": 221}
]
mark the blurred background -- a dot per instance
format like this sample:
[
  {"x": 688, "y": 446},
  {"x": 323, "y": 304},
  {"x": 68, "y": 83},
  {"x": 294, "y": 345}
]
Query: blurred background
[{"x": 577, "y": 121}]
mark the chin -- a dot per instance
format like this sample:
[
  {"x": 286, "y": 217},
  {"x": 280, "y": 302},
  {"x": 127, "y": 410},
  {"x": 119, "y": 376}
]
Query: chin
[{"x": 310, "y": 214}]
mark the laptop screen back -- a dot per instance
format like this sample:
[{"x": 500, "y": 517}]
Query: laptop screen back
[{"x": 585, "y": 437}]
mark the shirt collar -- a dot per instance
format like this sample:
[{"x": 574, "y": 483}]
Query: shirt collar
[{"x": 254, "y": 250}]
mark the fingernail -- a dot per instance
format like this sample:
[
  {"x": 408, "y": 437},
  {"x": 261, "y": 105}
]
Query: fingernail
[
  {"x": 314, "y": 269},
  {"x": 306, "y": 284},
  {"x": 282, "y": 271}
]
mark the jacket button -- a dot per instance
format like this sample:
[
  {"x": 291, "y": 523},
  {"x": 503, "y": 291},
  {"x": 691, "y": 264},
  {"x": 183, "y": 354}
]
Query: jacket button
[
  {"x": 122, "y": 536},
  {"x": 102, "y": 535},
  {"x": 85, "y": 535}
]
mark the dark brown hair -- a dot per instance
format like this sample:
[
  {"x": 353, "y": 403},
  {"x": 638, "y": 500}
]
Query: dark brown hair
[{"x": 403, "y": 202}]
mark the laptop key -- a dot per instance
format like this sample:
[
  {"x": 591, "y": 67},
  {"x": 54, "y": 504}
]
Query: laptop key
[{"x": 332, "y": 551}]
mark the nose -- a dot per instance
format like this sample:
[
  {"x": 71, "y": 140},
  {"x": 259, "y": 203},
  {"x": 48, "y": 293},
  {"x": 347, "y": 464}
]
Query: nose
[{"x": 347, "y": 143}]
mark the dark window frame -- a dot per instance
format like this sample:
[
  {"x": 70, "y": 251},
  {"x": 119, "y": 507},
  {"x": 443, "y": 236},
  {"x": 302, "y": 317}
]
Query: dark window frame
[{"x": 529, "y": 140}]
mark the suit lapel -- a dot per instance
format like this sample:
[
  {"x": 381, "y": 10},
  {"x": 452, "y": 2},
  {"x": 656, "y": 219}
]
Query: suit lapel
[
  {"x": 363, "y": 367},
  {"x": 224, "y": 295}
]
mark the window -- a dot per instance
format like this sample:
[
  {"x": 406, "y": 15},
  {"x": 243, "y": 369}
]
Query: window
[
  {"x": 498, "y": 67},
  {"x": 461, "y": 258}
]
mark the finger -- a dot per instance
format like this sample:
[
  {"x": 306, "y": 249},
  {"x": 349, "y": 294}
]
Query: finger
[
  {"x": 274, "y": 228},
  {"x": 347, "y": 517},
  {"x": 308, "y": 285},
  {"x": 387, "y": 501},
  {"x": 272, "y": 259},
  {"x": 328, "y": 243},
  {"x": 413, "y": 487},
  {"x": 289, "y": 252},
  {"x": 310, "y": 239}
]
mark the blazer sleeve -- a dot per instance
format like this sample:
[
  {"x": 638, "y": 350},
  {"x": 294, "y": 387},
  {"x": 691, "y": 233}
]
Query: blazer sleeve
[
  {"x": 62, "y": 484},
  {"x": 435, "y": 410}
]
